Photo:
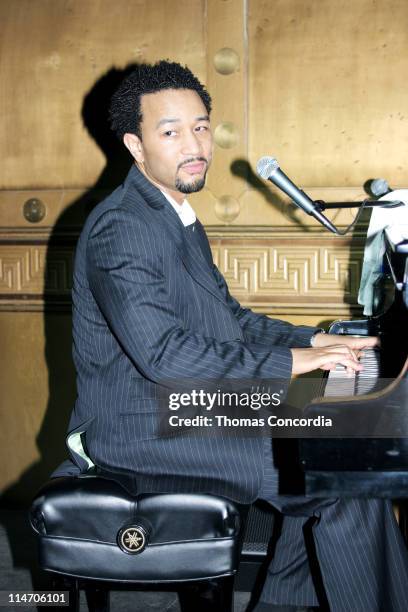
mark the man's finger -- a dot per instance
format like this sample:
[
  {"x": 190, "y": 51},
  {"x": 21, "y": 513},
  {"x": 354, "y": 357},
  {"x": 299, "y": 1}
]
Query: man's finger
[
  {"x": 347, "y": 362},
  {"x": 328, "y": 366},
  {"x": 355, "y": 366},
  {"x": 366, "y": 342},
  {"x": 343, "y": 349}
]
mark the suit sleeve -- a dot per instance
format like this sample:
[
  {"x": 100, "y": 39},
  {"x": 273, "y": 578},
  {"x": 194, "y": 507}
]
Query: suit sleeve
[
  {"x": 125, "y": 274},
  {"x": 263, "y": 330}
]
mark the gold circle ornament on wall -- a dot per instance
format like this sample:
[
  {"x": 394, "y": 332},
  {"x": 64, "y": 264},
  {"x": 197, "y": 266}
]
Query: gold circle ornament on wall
[
  {"x": 226, "y": 61},
  {"x": 227, "y": 208},
  {"x": 226, "y": 135},
  {"x": 34, "y": 210}
]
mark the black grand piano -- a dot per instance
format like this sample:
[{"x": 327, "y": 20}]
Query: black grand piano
[{"x": 371, "y": 460}]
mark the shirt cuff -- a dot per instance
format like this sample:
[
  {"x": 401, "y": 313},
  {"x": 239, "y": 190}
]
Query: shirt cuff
[{"x": 312, "y": 339}]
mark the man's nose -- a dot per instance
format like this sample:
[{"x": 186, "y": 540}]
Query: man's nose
[{"x": 191, "y": 144}]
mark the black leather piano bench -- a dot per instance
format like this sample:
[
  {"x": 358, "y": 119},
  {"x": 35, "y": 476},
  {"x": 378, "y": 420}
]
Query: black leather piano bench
[{"x": 93, "y": 534}]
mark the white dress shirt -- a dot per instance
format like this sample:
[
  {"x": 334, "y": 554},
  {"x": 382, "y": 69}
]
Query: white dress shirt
[{"x": 184, "y": 210}]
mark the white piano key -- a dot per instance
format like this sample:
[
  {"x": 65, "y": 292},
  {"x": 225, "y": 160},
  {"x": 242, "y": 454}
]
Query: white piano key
[{"x": 340, "y": 382}]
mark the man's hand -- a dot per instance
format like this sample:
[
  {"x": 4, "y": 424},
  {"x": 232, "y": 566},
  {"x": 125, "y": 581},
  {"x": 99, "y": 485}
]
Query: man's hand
[
  {"x": 353, "y": 342},
  {"x": 331, "y": 349}
]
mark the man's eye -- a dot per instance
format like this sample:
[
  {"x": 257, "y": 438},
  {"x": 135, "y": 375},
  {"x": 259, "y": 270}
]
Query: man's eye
[
  {"x": 170, "y": 133},
  {"x": 202, "y": 128}
]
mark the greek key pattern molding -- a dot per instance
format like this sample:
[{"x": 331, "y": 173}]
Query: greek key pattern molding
[
  {"x": 298, "y": 270},
  {"x": 30, "y": 270},
  {"x": 310, "y": 275}
]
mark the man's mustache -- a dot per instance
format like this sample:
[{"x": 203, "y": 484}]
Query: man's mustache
[{"x": 192, "y": 160}]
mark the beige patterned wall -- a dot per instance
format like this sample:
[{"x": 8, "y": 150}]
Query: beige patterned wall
[
  {"x": 326, "y": 88},
  {"x": 319, "y": 84}
]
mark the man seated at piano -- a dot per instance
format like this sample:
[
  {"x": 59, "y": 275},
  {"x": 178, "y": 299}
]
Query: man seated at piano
[{"x": 149, "y": 304}]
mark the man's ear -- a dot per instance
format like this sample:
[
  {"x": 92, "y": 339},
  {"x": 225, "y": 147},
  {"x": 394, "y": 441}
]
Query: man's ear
[{"x": 134, "y": 145}]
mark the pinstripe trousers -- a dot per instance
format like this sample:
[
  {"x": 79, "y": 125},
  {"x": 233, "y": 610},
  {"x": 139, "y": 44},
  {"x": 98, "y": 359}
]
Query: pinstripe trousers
[{"x": 362, "y": 558}]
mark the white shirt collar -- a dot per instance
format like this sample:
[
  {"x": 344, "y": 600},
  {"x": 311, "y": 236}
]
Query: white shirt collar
[{"x": 184, "y": 210}]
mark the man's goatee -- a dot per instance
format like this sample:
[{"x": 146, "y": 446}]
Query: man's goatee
[{"x": 190, "y": 187}]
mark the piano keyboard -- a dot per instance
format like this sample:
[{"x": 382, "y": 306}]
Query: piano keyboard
[{"x": 340, "y": 382}]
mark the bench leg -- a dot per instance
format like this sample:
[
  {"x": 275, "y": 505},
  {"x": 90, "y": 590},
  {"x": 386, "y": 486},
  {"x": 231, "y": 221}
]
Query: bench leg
[
  {"x": 214, "y": 595},
  {"x": 97, "y": 599},
  {"x": 63, "y": 583}
]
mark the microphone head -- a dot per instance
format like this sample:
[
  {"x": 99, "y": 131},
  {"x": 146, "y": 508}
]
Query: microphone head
[
  {"x": 266, "y": 166},
  {"x": 379, "y": 187}
]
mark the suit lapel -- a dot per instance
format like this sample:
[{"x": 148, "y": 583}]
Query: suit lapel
[{"x": 162, "y": 213}]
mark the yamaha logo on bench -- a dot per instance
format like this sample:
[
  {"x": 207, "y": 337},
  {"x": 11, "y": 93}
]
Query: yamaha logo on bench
[{"x": 132, "y": 539}]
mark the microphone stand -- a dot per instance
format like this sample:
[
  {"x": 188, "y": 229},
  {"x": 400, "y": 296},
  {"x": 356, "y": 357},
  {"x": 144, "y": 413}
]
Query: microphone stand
[
  {"x": 320, "y": 206},
  {"x": 367, "y": 204}
]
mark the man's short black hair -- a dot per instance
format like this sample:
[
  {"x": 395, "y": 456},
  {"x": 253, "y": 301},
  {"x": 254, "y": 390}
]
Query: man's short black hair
[{"x": 125, "y": 113}]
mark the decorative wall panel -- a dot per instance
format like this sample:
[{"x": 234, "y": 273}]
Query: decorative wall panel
[
  {"x": 263, "y": 273},
  {"x": 267, "y": 271}
]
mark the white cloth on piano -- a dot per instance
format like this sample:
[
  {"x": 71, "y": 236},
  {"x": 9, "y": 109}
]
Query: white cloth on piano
[{"x": 381, "y": 218}]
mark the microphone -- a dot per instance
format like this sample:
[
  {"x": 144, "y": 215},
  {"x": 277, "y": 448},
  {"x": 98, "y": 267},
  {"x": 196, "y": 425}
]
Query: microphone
[
  {"x": 379, "y": 187},
  {"x": 268, "y": 169}
]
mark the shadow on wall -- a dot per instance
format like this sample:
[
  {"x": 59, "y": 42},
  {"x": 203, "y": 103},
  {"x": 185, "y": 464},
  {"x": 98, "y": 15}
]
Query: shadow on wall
[
  {"x": 57, "y": 309},
  {"x": 57, "y": 326},
  {"x": 243, "y": 170}
]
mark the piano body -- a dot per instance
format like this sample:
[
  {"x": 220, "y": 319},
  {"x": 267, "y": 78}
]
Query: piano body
[{"x": 376, "y": 400}]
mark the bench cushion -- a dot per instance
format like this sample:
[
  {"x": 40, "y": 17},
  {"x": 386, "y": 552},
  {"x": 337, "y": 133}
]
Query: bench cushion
[{"x": 91, "y": 527}]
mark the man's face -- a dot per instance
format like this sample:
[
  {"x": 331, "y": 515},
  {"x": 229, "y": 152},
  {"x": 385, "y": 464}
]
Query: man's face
[{"x": 175, "y": 149}]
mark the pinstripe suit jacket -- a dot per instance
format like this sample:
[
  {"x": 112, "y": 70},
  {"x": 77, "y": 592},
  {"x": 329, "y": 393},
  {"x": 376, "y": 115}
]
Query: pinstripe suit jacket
[{"x": 147, "y": 307}]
